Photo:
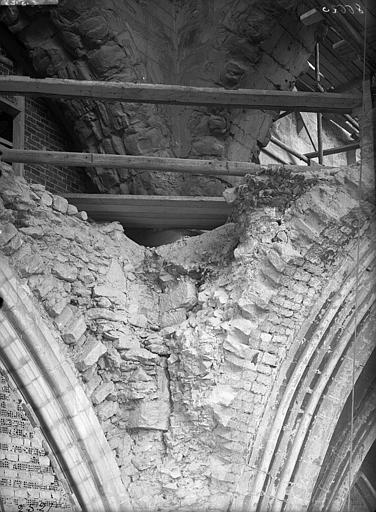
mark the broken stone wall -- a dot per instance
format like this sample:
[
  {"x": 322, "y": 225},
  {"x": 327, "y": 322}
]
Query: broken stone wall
[{"x": 185, "y": 351}]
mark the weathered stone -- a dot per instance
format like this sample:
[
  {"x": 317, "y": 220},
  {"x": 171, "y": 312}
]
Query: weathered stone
[
  {"x": 108, "y": 291},
  {"x": 46, "y": 199},
  {"x": 126, "y": 342},
  {"x": 33, "y": 231},
  {"x": 139, "y": 354},
  {"x": 55, "y": 304},
  {"x": 183, "y": 295},
  {"x": 234, "y": 344},
  {"x": 102, "y": 392},
  {"x": 105, "y": 314},
  {"x": 7, "y": 232},
  {"x": 93, "y": 382},
  {"x": 150, "y": 414},
  {"x": 72, "y": 209},
  {"x": 103, "y": 302},
  {"x": 13, "y": 245},
  {"x": 174, "y": 317},
  {"x": 106, "y": 410},
  {"x": 64, "y": 317},
  {"x": 60, "y": 204},
  {"x": 115, "y": 276},
  {"x": 74, "y": 330},
  {"x": 92, "y": 350},
  {"x": 65, "y": 271},
  {"x": 31, "y": 264},
  {"x": 82, "y": 215},
  {"x": 136, "y": 319},
  {"x": 244, "y": 325}
]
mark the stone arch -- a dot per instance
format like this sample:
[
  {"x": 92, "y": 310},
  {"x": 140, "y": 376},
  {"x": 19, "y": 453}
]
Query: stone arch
[
  {"x": 31, "y": 352},
  {"x": 332, "y": 486},
  {"x": 311, "y": 388}
]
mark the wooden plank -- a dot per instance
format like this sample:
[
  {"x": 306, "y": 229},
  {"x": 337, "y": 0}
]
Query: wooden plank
[
  {"x": 154, "y": 212},
  {"x": 180, "y": 95}
]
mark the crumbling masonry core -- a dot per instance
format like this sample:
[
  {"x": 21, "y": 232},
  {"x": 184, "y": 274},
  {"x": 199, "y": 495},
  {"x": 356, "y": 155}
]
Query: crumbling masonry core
[{"x": 206, "y": 374}]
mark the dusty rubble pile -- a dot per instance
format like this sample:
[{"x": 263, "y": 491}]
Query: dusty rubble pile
[{"x": 178, "y": 347}]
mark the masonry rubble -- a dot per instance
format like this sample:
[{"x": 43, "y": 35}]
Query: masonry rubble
[{"x": 177, "y": 347}]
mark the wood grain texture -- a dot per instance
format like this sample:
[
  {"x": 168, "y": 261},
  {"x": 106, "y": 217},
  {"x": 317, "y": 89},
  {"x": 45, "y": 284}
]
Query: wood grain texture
[
  {"x": 180, "y": 95},
  {"x": 154, "y": 212}
]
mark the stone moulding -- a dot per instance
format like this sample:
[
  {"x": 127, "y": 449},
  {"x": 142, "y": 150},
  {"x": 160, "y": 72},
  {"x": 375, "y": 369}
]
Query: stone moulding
[
  {"x": 32, "y": 353},
  {"x": 287, "y": 455}
]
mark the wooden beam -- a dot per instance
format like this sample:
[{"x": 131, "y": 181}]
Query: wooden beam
[
  {"x": 334, "y": 151},
  {"x": 311, "y": 17},
  {"x": 292, "y": 151},
  {"x": 157, "y": 212},
  {"x": 19, "y": 134},
  {"x": 180, "y": 95},
  {"x": 142, "y": 163}
]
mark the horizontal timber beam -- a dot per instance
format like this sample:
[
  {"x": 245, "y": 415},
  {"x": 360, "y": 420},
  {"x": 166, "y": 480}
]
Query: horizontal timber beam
[
  {"x": 143, "y": 163},
  {"x": 180, "y": 95},
  {"x": 334, "y": 151}
]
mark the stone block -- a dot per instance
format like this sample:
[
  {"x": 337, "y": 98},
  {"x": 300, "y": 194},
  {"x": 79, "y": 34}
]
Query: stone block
[
  {"x": 183, "y": 295},
  {"x": 55, "y": 304},
  {"x": 65, "y": 272},
  {"x": 7, "y": 232},
  {"x": 105, "y": 314},
  {"x": 102, "y": 392},
  {"x": 234, "y": 344},
  {"x": 64, "y": 317},
  {"x": 82, "y": 215},
  {"x": 30, "y": 264},
  {"x": 126, "y": 342},
  {"x": 46, "y": 199},
  {"x": 33, "y": 231},
  {"x": 175, "y": 317},
  {"x": 72, "y": 210},
  {"x": 92, "y": 383},
  {"x": 108, "y": 291},
  {"x": 106, "y": 410},
  {"x": 60, "y": 204},
  {"x": 115, "y": 276},
  {"x": 91, "y": 352},
  {"x": 244, "y": 325},
  {"x": 140, "y": 354},
  {"x": 74, "y": 330},
  {"x": 150, "y": 414},
  {"x": 270, "y": 359}
]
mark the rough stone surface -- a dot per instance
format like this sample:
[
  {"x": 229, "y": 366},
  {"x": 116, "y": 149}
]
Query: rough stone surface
[{"x": 184, "y": 349}]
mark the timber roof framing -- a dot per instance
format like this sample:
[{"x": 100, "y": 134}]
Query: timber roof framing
[{"x": 180, "y": 95}]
